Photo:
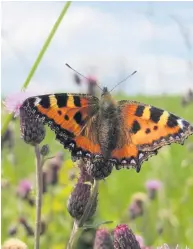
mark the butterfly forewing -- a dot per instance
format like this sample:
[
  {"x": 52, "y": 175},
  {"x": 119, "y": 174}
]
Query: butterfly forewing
[{"x": 67, "y": 114}]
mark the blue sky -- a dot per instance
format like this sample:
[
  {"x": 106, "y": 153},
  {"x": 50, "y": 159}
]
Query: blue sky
[{"x": 107, "y": 39}]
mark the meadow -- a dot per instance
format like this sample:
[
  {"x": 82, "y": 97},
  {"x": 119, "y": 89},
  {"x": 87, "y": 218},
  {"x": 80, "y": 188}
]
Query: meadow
[{"x": 166, "y": 218}]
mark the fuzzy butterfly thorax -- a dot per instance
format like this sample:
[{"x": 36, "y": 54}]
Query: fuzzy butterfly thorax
[
  {"x": 105, "y": 133},
  {"x": 108, "y": 124}
]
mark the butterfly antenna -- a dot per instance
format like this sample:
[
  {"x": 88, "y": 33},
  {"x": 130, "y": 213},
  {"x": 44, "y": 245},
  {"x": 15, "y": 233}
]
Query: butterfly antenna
[
  {"x": 80, "y": 74},
  {"x": 123, "y": 80}
]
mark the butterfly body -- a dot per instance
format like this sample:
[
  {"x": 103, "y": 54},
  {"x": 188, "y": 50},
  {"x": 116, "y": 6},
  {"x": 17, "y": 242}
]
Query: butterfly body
[
  {"x": 105, "y": 133},
  {"x": 108, "y": 124}
]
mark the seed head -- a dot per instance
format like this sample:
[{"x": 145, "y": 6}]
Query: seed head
[{"x": 14, "y": 244}]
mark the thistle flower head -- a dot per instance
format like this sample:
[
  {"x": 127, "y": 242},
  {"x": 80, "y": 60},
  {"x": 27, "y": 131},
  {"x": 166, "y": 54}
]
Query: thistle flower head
[
  {"x": 124, "y": 238},
  {"x": 140, "y": 240},
  {"x": 13, "y": 102},
  {"x": 32, "y": 129},
  {"x": 103, "y": 240},
  {"x": 24, "y": 188},
  {"x": 153, "y": 184},
  {"x": 91, "y": 80},
  {"x": 152, "y": 187},
  {"x": 136, "y": 208},
  {"x": 78, "y": 200}
]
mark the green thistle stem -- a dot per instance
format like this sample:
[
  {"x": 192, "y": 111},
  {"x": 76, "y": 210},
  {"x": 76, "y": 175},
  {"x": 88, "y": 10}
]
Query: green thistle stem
[
  {"x": 38, "y": 60},
  {"x": 38, "y": 197}
]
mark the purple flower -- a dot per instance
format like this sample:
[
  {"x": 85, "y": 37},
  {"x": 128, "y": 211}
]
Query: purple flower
[
  {"x": 14, "y": 102},
  {"x": 153, "y": 184},
  {"x": 152, "y": 187},
  {"x": 103, "y": 240},
  {"x": 140, "y": 240},
  {"x": 124, "y": 238},
  {"x": 24, "y": 188},
  {"x": 78, "y": 200},
  {"x": 136, "y": 207}
]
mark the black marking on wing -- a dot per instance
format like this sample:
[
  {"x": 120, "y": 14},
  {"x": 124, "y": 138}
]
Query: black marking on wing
[
  {"x": 62, "y": 100},
  {"x": 45, "y": 102},
  {"x": 66, "y": 117},
  {"x": 155, "y": 114},
  {"x": 172, "y": 121},
  {"x": 139, "y": 111},
  {"x": 135, "y": 127},
  {"x": 77, "y": 101},
  {"x": 78, "y": 118}
]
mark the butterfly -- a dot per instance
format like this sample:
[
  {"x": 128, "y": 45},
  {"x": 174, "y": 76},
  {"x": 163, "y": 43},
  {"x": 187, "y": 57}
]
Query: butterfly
[{"x": 105, "y": 133}]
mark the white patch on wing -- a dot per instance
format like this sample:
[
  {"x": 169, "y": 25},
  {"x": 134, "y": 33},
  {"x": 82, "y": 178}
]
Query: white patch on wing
[
  {"x": 180, "y": 123},
  {"x": 37, "y": 101}
]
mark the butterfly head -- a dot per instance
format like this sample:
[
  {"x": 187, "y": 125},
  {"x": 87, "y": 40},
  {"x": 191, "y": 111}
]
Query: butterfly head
[
  {"x": 105, "y": 92},
  {"x": 106, "y": 99}
]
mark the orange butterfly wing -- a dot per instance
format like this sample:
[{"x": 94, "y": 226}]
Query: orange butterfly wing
[
  {"x": 147, "y": 129},
  {"x": 68, "y": 115}
]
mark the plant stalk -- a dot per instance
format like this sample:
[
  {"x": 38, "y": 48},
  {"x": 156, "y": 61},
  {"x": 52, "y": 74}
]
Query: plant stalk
[{"x": 38, "y": 197}]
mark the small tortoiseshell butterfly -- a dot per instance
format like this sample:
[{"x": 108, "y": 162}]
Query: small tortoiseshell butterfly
[{"x": 105, "y": 132}]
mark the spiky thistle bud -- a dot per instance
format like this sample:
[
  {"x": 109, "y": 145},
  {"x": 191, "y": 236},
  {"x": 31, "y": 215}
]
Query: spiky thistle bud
[
  {"x": 32, "y": 129},
  {"x": 78, "y": 200},
  {"x": 44, "y": 150},
  {"x": 124, "y": 238},
  {"x": 103, "y": 240}
]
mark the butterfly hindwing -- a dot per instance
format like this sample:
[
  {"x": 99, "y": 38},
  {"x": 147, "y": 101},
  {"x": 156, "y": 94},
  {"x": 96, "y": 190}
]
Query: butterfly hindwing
[
  {"x": 151, "y": 128},
  {"x": 147, "y": 129}
]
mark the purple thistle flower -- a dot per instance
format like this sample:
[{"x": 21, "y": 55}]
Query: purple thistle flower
[
  {"x": 152, "y": 187},
  {"x": 140, "y": 240},
  {"x": 78, "y": 200},
  {"x": 103, "y": 240},
  {"x": 32, "y": 129},
  {"x": 124, "y": 238},
  {"x": 136, "y": 207},
  {"x": 80, "y": 195},
  {"x": 14, "y": 102},
  {"x": 24, "y": 188}
]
